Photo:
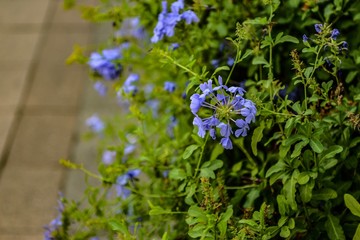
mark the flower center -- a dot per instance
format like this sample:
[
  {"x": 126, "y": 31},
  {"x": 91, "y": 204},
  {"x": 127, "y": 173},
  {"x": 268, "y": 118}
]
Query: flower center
[{"x": 224, "y": 111}]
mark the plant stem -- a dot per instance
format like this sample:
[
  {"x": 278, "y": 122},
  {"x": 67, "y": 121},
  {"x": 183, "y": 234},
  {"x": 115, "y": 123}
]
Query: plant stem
[
  {"x": 201, "y": 156},
  {"x": 238, "y": 53}
]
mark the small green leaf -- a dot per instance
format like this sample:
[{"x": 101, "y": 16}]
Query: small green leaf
[
  {"x": 177, "y": 173},
  {"x": 352, "y": 204},
  {"x": 256, "y": 137},
  {"x": 297, "y": 107},
  {"x": 117, "y": 226},
  {"x": 259, "y": 60},
  {"x": 222, "y": 68},
  {"x": 165, "y": 236},
  {"x": 157, "y": 210},
  {"x": 324, "y": 194},
  {"x": 222, "y": 225},
  {"x": 303, "y": 178},
  {"x": 279, "y": 166},
  {"x": 290, "y": 189},
  {"x": 258, "y": 20},
  {"x": 357, "y": 233},
  {"x": 306, "y": 191},
  {"x": 331, "y": 152},
  {"x": 207, "y": 173},
  {"x": 189, "y": 151},
  {"x": 298, "y": 147},
  {"x": 282, "y": 205},
  {"x": 282, "y": 221},
  {"x": 285, "y": 232},
  {"x": 249, "y": 222},
  {"x": 287, "y": 38},
  {"x": 334, "y": 229},
  {"x": 316, "y": 145}
]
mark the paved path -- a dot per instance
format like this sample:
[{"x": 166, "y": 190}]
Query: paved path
[{"x": 42, "y": 105}]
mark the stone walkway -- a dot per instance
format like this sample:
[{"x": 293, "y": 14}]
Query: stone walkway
[{"x": 43, "y": 103}]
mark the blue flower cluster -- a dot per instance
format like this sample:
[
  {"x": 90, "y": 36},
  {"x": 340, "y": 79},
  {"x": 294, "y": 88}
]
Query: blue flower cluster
[
  {"x": 227, "y": 106},
  {"x": 54, "y": 224},
  {"x": 105, "y": 64},
  {"x": 95, "y": 123},
  {"x": 131, "y": 28},
  {"x": 123, "y": 180},
  {"x": 128, "y": 86},
  {"x": 168, "y": 20}
]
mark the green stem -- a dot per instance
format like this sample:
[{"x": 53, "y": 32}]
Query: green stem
[
  {"x": 182, "y": 66},
  {"x": 238, "y": 53},
  {"x": 276, "y": 113},
  {"x": 201, "y": 156}
]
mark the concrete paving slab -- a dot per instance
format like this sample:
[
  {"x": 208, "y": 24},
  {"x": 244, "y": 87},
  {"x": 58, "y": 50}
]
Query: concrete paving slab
[
  {"x": 41, "y": 141},
  {"x": 23, "y": 11},
  {"x": 12, "y": 83},
  {"x": 6, "y": 122},
  {"x": 57, "y": 85},
  {"x": 20, "y": 236},
  {"x": 16, "y": 47},
  {"x": 28, "y": 199},
  {"x": 58, "y": 46}
]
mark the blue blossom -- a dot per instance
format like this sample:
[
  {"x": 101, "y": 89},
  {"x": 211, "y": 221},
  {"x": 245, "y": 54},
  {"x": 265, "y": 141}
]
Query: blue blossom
[
  {"x": 167, "y": 20},
  {"x": 230, "y": 61},
  {"x": 345, "y": 45},
  {"x": 305, "y": 38},
  {"x": 318, "y": 27},
  {"x": 95, "y": 123},
  {"x": 130, "y": 148},
  {"x": 108, "y": 157},
  {"x": 55, "y": 224},
  {"x": 123, "y": 180},
  {"x": 104, "y": 64},
  {"x": 100, "y": 87},
  {"x": 189, "y": 17},
  {"x": 169, "y": 86},
  {"x": 174, "y": 46},
  {"x": 131, "y": 28},
  {"x": 128, "y": 85},
  {"x": 215, "y": 63},
  {"x": 334, "y": 33},
  {"x": 227, "y": 108}
]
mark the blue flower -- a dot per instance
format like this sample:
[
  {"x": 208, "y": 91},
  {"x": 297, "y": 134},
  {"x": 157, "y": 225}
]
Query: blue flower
[
  {"x": 305, "y": 38},
  {"x": 123, "y": 180},
  {"x": 334, "y": 33},
  {"x": 230, "y": 61},
  {"x": 318, "y": 27},
  {"x": 189, "y": 17},
  {"x": 128, "y": 85},
  {"x": 174, "y": 46},
  {"x": 169, "y": 86},
  {"x": 55, "y": 224},
  {"x": 108, "y": 157},
  {"x": 95, "y": 123},
  {"x": 167, "y": 20},
  {"x": 100, "y": 87},
  {"x": 104, "y": 64},
  {"x": 131, "y": 28},
  {"x": 345, "y": 45},
  {"x": 227, "y": 107}
]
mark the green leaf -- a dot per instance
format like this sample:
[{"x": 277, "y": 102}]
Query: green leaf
[
  {"x": 289, "y": 126},
  {"x": 117, "y": 226},
  {"x": 357, "y": 233},
  {"x": 258, "y": 20},
  {"x": 249, "y": 222},
  {"x": 279, "y": 166},
  {"x": 333, "y": 228},
  {"x": 218, "y": 149},
  {"x": 324, "y": 194},
  {"x": 316, "y": 145},
  {"x": 282, "y": 205},
  {"x": 331, "y": 152},
  {"x": 286, "y": 38},
  {"x": 189, "y": 151},
  {"x": 282, "y": 221},
  {"x": 303, "y": 178},
  {"x": 352, "y": 204},
  {"x": 177, "y": 173},
  {"x": 222, "y": 225},
  {"x": 306, "y": 191},
  {"x": 222, "y": 68},
  {"x": 296, "y": 107},
  {"x": 259, "y": 60},
  {"x": 213, "y": 165},
  {"x": 285, "y": 232},
  {"x": 157, "y": 210},
  {"x": 207, "y": 173},
  {"x": 165, "y": 236},
  {"x": 256, "y": 137},
  {"x": 247, "y": 53},
  {"x": 290, "y": 189},
  {"x": 328, "y": 163},
  {"x": 298, "y": 147}
]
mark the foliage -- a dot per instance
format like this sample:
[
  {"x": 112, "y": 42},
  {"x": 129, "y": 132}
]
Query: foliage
[{"x": 290, "y": 174}]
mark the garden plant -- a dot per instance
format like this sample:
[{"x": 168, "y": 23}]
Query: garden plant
[{"x": 238, "y": 119}]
